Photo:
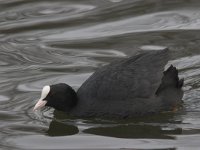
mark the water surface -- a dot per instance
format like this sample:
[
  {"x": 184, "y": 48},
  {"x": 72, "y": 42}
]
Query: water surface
[{"x": 45, "y": 42}]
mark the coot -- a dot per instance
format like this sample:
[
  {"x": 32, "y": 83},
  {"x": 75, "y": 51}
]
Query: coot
[{"x": 130, "y": 87}]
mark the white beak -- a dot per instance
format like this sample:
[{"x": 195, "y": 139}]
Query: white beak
[{"x": 41, "y": 103}]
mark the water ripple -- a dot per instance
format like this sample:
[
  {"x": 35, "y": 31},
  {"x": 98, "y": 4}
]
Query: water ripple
[
  {"x": 37, "y": 14},
  {"x": 43, "y": 42},
  {"x": 145, "y": 23}
]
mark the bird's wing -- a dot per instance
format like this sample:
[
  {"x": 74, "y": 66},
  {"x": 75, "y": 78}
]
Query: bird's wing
[{"x": 137, "y": 76}]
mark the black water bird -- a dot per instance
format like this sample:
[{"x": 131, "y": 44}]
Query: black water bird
[{"x": 130, "y": 87}]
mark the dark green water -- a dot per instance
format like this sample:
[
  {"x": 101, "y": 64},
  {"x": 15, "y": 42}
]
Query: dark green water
[{"x": 44, "y": 42}]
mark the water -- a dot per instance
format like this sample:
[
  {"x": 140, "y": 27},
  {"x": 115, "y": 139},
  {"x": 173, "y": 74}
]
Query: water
[{"x": 47, "y": 42}]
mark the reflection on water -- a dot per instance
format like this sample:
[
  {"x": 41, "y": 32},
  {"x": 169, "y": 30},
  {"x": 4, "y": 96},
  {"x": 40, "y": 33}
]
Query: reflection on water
[
  {"x": 135, "y": 131},
  {"x": 46, "y": 42},
  {"x": 60, "y": 129}
]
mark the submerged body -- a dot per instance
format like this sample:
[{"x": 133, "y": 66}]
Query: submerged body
[{"x": 130, "y": 87}]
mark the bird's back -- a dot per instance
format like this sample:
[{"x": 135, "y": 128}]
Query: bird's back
[{"x": 124, "y": 88}]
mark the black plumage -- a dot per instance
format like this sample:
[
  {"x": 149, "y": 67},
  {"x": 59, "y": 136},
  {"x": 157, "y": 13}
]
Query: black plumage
[{"x": 129, "y": 87}]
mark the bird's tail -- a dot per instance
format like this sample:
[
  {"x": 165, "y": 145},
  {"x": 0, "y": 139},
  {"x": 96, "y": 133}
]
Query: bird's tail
[{"x": 170, "y": 79}]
